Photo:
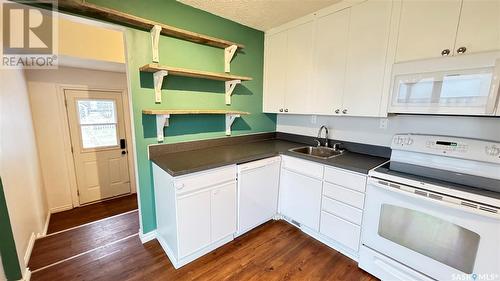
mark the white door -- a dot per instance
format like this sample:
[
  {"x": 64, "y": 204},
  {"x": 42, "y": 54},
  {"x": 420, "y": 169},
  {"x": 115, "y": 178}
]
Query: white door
[
  {"x": 427, "y": 28},
  {"x": 330, "y": 54},
  {"x": 479, "y": 27},
  {"x": 299, "y": 68},
  {"x": 369, "y": 31},
  {"x": 275, "y": 73},
  {"x": 223, "y": 209},
  {"x": 300, "y": 198},
  {"x": 194, "y": 222},
  {"x": 99, "y": 145}
]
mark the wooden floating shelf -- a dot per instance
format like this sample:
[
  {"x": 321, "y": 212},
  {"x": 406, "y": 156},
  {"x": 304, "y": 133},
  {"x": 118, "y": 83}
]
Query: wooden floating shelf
[
  {"x": 115, "y": 16},
  {"x": 163, "y": 116},
  {"x": 160, "y": 71}
]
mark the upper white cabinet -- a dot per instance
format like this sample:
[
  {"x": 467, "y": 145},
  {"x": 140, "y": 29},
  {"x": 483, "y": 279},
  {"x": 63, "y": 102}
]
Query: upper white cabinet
[
  {"x": 337, "y": 62},
  {"x": 367, "y": 54},
  {"x": 288, "y": 70},
  {"x": 427, "y": 29},
  {"x": 330, "y": 56},
  {"x": 275, "y": 76},
  {"x": 451, "y": 27},
  {"x": 479, "y": 26}
]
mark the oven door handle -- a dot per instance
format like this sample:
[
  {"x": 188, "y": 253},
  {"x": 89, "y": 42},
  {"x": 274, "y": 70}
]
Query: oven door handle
[{"x": 406, "y": 191}]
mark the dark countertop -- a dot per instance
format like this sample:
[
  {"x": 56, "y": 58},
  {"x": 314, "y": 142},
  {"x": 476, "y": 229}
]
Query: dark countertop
[{"x": 185, "y": 162}]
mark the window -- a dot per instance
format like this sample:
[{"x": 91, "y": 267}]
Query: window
[{"x": 97, "y": 123}]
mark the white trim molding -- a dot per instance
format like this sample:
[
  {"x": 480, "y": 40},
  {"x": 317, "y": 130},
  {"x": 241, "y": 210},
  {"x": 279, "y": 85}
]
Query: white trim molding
[{"x": 147, "y": 236}]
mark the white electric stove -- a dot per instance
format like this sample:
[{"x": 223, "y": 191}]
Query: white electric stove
[{"x": 433, "y": 211}]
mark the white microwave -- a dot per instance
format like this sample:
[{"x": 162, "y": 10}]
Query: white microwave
[{"x": 462, "y": 85}]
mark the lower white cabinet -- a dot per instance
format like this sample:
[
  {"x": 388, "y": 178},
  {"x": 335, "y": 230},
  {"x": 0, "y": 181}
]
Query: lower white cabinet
[
  {"x": 195, "y": 213},
  {"x": 300, "y": 198}
]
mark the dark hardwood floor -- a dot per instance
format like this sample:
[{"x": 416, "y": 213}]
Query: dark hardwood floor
[
  {"x": 274, "y": 251},
  {"x": 60, "y": 246},
  {"x": 90, "y": 213}
]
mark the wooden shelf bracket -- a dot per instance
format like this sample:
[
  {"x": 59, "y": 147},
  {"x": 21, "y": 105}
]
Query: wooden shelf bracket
[
  {"x": 230, "y": 85},
  {"x": 229, "y": 122},
  {"x": 158, "y": 81},
  {"x": 155, "y": 41},
  {"x": 161, "y": 123},
  {"x": 228, "y": 56}
]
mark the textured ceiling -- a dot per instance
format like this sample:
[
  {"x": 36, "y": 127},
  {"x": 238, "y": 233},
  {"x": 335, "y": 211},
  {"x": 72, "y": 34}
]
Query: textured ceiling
[{"x": 260, "y": 14}]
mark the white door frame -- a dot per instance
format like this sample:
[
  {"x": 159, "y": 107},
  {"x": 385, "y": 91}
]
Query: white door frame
[{"x": 67, "y": 139}]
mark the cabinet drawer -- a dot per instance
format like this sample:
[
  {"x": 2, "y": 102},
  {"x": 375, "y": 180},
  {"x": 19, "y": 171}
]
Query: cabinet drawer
[
  {"x": 193, "y": 182},
  {"x": 345, "y": 179},
  {"x": 303, "y": 167},
  {"x": 340, "y": 230},
  {"x": 344, "y": 195},
  {"x": 342, "y": 210}
]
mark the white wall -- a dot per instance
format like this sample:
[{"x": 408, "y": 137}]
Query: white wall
[
  {"x": 367, "y": 130},
  {"x": 19, "y": 163},
  {"x": 49, "y": 117}
]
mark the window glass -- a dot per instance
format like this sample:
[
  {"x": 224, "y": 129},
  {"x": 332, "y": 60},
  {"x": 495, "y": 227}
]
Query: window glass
[{"x": 97, "y": 123}]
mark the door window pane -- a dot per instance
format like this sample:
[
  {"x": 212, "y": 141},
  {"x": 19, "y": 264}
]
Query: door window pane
[
  {"x": 97, "y": 123},
  {"x": 98, "y": 135},
  {"x": 97, "y": 111}
]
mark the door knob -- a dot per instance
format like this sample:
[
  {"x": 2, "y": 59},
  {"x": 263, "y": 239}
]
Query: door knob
[
  {"x": 286, "y": 109},
  {"x": 445, "y": 52},
  {"x": 281, "y": 109},
  {"x": 124, "y": 152},
  {"x": 461, "y": 50},
  {"x": 344, "y": 111},
  {"x": 337, "y": 111}
]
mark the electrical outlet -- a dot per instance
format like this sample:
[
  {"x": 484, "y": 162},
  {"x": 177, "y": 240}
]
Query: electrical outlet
[
  {"x": 313, "y": 119},
  {"x": 383, "y": 123}
]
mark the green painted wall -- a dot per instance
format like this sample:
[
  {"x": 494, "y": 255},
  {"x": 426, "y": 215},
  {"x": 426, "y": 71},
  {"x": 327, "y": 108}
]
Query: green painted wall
[
  {"x": 187, "y": 92},
  {"x": 8, "y": 251}
]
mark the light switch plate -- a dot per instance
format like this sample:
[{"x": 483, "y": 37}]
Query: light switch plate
[{"x": 383, "y": 123}]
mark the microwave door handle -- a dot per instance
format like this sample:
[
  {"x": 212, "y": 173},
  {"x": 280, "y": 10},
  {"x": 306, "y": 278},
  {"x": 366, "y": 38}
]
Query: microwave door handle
[{"x": 494, "y": 90}]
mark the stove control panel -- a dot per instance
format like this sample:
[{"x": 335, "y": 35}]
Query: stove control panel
[{"x": 471, "y": 149}]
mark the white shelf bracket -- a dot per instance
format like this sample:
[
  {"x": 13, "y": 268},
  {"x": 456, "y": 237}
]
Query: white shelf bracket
[
  {"x": 230, "y": 85},
  {"x": 155, "y": 40},
  {"x": 161, "y": 122},
  {"x": 229, "y": 122},
  {"x": 228, "y": 56},
  {"x": 158, "y": 80}
]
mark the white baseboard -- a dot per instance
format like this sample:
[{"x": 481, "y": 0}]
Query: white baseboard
[
  {"x": 61, "y": 208},
  {"x": 46, "y": 226},
  {"x": 147, "y": 237},
  {"x": 26, "y": 275},
  {"x": 31, "y": 243}
]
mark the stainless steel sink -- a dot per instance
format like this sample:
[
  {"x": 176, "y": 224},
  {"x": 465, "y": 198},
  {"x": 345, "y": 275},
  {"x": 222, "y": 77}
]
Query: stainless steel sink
[{"x": 318, "y": 152}]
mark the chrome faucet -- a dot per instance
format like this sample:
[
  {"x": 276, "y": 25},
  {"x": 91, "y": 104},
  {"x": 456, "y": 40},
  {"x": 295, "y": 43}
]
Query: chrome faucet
[{"x": 319, "y": 136}]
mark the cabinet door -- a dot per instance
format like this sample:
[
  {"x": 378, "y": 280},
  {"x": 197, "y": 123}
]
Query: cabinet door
[
  {"x": 223, "y": 209},
  {"x": 330, "y": 55},
  {"x": 275, "y": 72},
  {"x": 300, "y": 198},
  {"x": 369, "y": 31},
  {"x": 299, "y": 69},
  {"x": 193, "y": 222},
  {"x": 479, "y": 27},
  {"x": 426, "y": 28}
]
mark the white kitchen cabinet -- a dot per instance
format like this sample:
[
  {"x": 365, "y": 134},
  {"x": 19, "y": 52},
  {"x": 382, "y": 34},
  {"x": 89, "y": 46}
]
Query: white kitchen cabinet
[
  {"x": 368, "y": 43},
  {"x": 223, "y": 211},
  {"x": 195, "y": 213},
  {"x": 299, "y": 68},
  {"x": 300, "y": 198},
  {"x": 479, "y": 27},
  {"x": 427, "y": 28},
  {"x": 330, "y": 55},
  {"x": 452, "y": 27},
  {"x": 275, "y": 75},
  {"x": 194, "y": 222}
]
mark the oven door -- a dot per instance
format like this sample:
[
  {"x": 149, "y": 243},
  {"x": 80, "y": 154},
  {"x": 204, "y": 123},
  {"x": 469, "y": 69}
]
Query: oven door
[{"x": 442, "y": 240}]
